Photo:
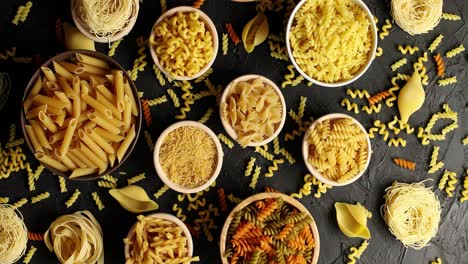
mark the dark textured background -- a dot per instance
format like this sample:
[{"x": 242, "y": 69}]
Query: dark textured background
[{"x": 37, "y": 36}]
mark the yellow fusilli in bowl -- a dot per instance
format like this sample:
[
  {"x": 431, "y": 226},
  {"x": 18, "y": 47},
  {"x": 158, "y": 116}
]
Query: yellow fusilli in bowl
[
  {"x": 336, "y": 149},
  {"x": 331, "y": 48}
]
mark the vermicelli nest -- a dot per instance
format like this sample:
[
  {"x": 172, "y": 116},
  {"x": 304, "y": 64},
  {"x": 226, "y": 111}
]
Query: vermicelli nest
[
  {"x": 417, "y": 16},
  {"x": 13, "y": 235},
  {"x": 412, "y": 213}
]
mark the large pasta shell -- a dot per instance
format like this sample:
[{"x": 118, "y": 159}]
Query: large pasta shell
[
  {"x": 255, "y": 32},
  {"x": 352, "y": 220},
  {"x": 411, "y": 97},
  {"x": 134, "y": 199}
]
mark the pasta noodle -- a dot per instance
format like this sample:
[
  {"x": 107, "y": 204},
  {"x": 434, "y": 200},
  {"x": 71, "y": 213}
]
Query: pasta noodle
[
  {"x": 440, "y": 65},
  {"x": 22, "y": 13},
  {"x": 379, "y": 52},
  {"x": 255, "y": 177},
  {"x": 356, "y": 253},
  {"x": 264, "y": 153},
  {"x": 188, "y": 156},
  {"x": 385, "y": 28},
  {"x": 29, "y": 255},
  {"x": 435, "y": 43},
  {"x": 225, "y": 43},
  {"x": 405, "y": 164},
  {"x": 378, "y": 97},
  {"x": 325, "y": 59},
  {"x": 412, "y": 212},
  {"x": 73, "y": 198},
  {"x": 179, "y": 212},
  {"x": 14, "y": 237},
  {"x": 254, "y": 110},
  {"x": 226, "y": 140},
  {"x": 40, "y": 197},
  {"x": 151, "y": 235},
  {"x": 113, "y": 47},
  {"x": 98, "y": 201},
  {"x": 35, "y": 236},
  {"x": 204, "y": 76},
  {"x": 455, "y": 51},
  {"x": 447, "y": 81},
  {"x": 161, "y": 191},
  {"x": 416, "y": 16},
  {"x": 136, "y": 179},
  {"x": 357, "y": 93},
  {"x": 398, "y": 64},
  {"x": 464, "y": 192},
  {"x": 337, "y": 149},
  {"x": 396, "y": 142},
  {"x": 232, "y": 34},
  {"x": 76, "y": 238},
  {"x": 192, "y": 51},
  {"x": 206, "y": 116},
  {"x": 198, "y": 3},
  {"x": 250, "y": 165},
  {"x": 448, "y": 182},
  {"x": 133, "y": 199},
  {"x": 452, "y": 17},
  {"x": 350, "y": 106},
  {"x": 222, "y": 200},
  {"x": 407, "y": 49},
  {"x": 106, "y": 184},
  {"x": 274, "y": 167}
]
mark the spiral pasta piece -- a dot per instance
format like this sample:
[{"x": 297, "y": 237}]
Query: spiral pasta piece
[
  {"x": 396, "y": 142},
  {"x": 264, "y": 153},
  {"x": 27, "y": 259},
  {"x": 179, "y": 212},
  {"x": 452, "y": 181},
  {"x": 7, "y": 54},
  {"x": 356, "y": 253},
  {"x": 464, "y": 192},
  {"x": 398, "y": 64},
  {"x": 113, "y": 47},
  {"x": 378, "y": 97},
  {"x": 250, "y": 165},
  {"x": 232, "y": 33},
  {"x": 97, "y": 201},
  {"x": 255, "y": 177},
  {"x": 40, "y": 197},
  {"x": 198, "y": 3},
  {"x": 22, "y": 13},
  {"x": 385, "y": 28},
  {"x": 157, "y": 101},
  {"x": 440, "y": 65},
  {"x": 146, "y": 112},
  {"x": 288, "y": 77},
  {"x": 449, "y": 16},
  {"x": 62, "y": 184},
  {"x": 357, "y": 93},
  {"x": 20, "y": 203},
  {"x": 407, "y": 49},
  {"x": 159, "y": 75},
  {"x": 405, "y": 164},
  {"x": 73, "y": 198},
  {"x": 372, "y": 109},
  {"x": 447, "y": 81},
  {"x": 222, "y": 200},
  {"x": 274, "y": 167},
  {"x": 136, "y": 178},
  {"x": 225, "y": 44},
  {"x": 438, "y": 260},
  {"x": 223, "y": 138},
  {"x": 452, "y": 53},
  {"x": 35, "y": 236},
  {"x": 161, "y": 191},
  {"x": 435, "y": 43}
]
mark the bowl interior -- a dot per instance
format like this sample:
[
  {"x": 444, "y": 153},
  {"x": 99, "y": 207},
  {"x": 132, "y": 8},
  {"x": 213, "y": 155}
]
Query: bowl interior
[
  {"x": 261, "y": 196},
  {"x": 363, "y": 69},
  {"x": 231, "y": 132},
  {"x": 85, "y": 30},
  {"x": 167, "y": 217},
  {"x": 315, "y": 172},
  {"x": 64, "y": 56},
  {"x": 210, "y": 26},
  {"x": 162, "y": 174}
]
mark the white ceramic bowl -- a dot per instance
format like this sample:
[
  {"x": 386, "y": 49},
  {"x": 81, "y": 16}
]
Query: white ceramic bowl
[
  {"x": 363, "y": 69},
  {"x": 162, "y": 174},
  {"x": 85, "y": 30},
  {"x": 231, "y": 132},
  {"x": 167, "y": 217},
  {"x": 315, "y": 172},
  {"x": 210, "y": 26}
]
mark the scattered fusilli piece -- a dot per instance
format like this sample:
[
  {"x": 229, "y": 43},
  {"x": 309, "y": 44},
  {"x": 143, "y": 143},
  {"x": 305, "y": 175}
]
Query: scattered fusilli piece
[
  {"x": 222, "y": 200},
  {"x": 62, "y": 184},
  {"x": 255, "y": 177},
  {"x": 4, "y": 200},
  {"x": 149, "y": 140},
  {"x": 98, "y": 201},
  {"x": 447, "y": 81},
  {"x": 157, "y": 101},
  {"x": 396, "y": 142},
  {"x": 40, "y": 197},
  {"x": 405, "y": 164},
  {"x": 174, "y": 98},
  {"x": 465, "y": 141},
  {"x": 372, "y": 108},
  {"x": 435, "y": 43},
  {"x": 455, "y": 51},
  {"x": 159, "y": 75},
  {"x": 250, "y": 165},
  {"x": 398, "y": 64},
  {"x": 29, "y": 255},
  {"x": 452, "y": 17},
  {"x": 106, "y": 184},
  {"x": 206, "y": 116},
  {"x": 223, "y": 138},
  {"x": 179, "y": 212},
  {"x": 379, "y": 52},
  {"x": 234, "y": 199},
  {"x": 20, "y": 203},
  {"x": 73, "y": 198},
  {"x": 440, "y": 65},
  {"x": 264, "y": 153},
  {"x": 232, "y": 34},
  {"x": 437, "y": 261},
  {"x": 146, "y": 112},
  {"x": 161, "y": 191},
  {"x": 225, "y": 44},
  {"x": 136, "y": 178},
  {"x": 114, "y": 47}
]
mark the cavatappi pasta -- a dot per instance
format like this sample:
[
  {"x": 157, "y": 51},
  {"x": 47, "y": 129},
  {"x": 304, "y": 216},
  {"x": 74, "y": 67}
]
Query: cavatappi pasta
[
  {"x": 183, "y": 44},
  {"x": 253, "y": 109},
  {"x": 81, "y": 116},
  {"x": 157, "y": 240},
  {"x": 331, "y": 40},
  {"x": 337, "y": 149},
  {"x": 188, "y": 156}
]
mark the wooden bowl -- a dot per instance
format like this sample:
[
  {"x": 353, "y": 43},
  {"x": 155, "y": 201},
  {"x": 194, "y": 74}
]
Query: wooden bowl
[
  {"x": 210, "y": 26},
  {"x": 64, "y": 56},
  {"x": 261, "y": 196},
  {"x": 162, "y": 174},
  {"x": 363, "y": 69},
  {"x": 231, "y": 132},
  {"x": 83, "y": 28},
  {"x": 315, "y": 172},
  {"x": 170, "y": 218}
]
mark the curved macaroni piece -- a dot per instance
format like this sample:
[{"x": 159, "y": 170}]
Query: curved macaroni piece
[
  {"x": 440, "y": 65},
  {"x": 372, "y": 109},
  {"x": 280, "y": 55},
  {"x": 40, "y": 197},
  {"x": 306, "y": 189},
  {"x": 225, "y": 44},
  {"x": 398, "y": 64},
  {"x": 274, "y": 167},
  {"x": 106, "y": 184},
  {"x": 113, "y": 47},
  {"x": 226, "y": 140},
  {"x": 378, "y": 97},
  {"x": 437, "y": 261},
  {"x": 73, "y": 198},
  {"x": 159, "y": 75},
  {"x": 405, "y": 164},
  {"x": 407, "y": 49},
  {"x": 250, "y": 165},
  {"x": 435, "y": 43},
  {"x": 447, "y": 81},
  {"x": 29, "y": 255},
  {"x": 136, "y": 179},
  {"x": 385, "y": 28},
  {"x": 161, "y": 191},
  {"x": 379, "y": 52},
  {"x": 31, "y": 182},
  {"x": 464, "y": 192},
  {"x": 350, "y": 106},
  {"x": 455, "y": 51},
  {"x": 19, "y": 203},
  {"x": 452, "y": 17},
  {"x": 255, "y": 177},
  {"x": 391, "y": 126},
  {"x": 206, "y": 116},
  {"x": 22, "y": 13},
  {"x": 157, "y": 101},
  {"x": 397, "y": 142},
  {"x": 357, "y": 93},
  {"x": 444, "y": 179},
  {"x": 232, "y": 34},
  {"x": 98, "y": 201},
  {"x": 62, "y": 184}
]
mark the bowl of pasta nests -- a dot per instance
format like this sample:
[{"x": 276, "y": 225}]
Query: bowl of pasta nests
[
  {"x": 183, "y": 43},
  {"x": 105, "y": 21},
  {"x": 270, "y": 228},
  {"x": 188, "y": 157},
  {"x": 336, "y": 149},
  {"x": 252, "y": 110},
  {"x": 159, "y": 238},
  {"x": 81, "y": 115},
  {"x": 331, "y": 43}
]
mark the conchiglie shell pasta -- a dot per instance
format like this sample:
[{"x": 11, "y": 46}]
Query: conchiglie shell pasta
[{"x": 134, "y": 199}]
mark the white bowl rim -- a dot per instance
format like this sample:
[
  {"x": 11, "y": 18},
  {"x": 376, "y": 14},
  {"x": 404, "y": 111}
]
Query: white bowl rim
[
  {"x": 359, "y": 73},
  {"x": 305, "y": 150},
  {"x": 231, "y": 132},
  {"x": 125, "y": 31},
  {"x": 170, "y": 218},
  {"x": 211, "y": 27},
  {"x": 162, "y": 175}
]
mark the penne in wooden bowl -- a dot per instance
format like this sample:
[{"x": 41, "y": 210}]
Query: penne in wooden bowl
[{"x": 81, "y": 115}]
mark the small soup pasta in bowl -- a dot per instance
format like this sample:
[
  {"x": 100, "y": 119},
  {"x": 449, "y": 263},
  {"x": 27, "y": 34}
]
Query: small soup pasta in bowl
[
  {"x": 183, "y": 43},
  {"x": 188, "y": 157},
  {"x": 252, "y": 110},
  {"x": 336, "y": 149},
  {"x": 331, "y": 43}
]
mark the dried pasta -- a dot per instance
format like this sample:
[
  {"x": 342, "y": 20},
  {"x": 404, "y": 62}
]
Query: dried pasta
[
  {"x": 405, "y": 164},
  {"x": 437, "y": 261},
  {"x": 222, "y": 200},
  {"x": 35, "y": 236},
  {"x": 448, "y": 182},
  {"x": 343, "y": 59},
  {"x": 157, "y": 101},
  {"x": 356, "y": 253},
  {"x": 184, "y": 162},
  {"x": 357, "y": 93},
  {"x": 223, "y": 138},
  {"x": 225, "y": 44},
  {"x": 73, "y": 198},
  {"x": 18, "y": 204},
  {"x": 179, "y": 212},
  {"x": 174, "y": 98},
  {"x": 378, "y": 97},
  {"x": 98, "y": 201},
  {"x": 113, "y": 47},
  {"x": 106, "y": 184},
  {"x": 385, "y": 28},
  {"x": 27, "y": 259},
  {"x": 337, "y": 149},
  {"x": 161, "y": 191},
  {"x": 232, "y": 34},
  {"x": 250, "y": 166},
  {"x": 288, "y": 77},
  {"x": 13, "y": 238},
  {"x": 136, "y": 178},
  {"x": 40, "y": 197},
  {"x": 455, "y": 51},
  {"x": 407, "y": 49},
  {"x": 159, "y": 75},
  {"x": 198, "y": 3},
  {"x": 464, "y": 192},
  {"x": 306, "y": 189},
  {"x": 452, "y": 17},
  {"x": 22, "y": 13},
  {"x": 255, "y": 177},
  {"x": 435, "y": 43},
  {"x": 372, "y": 109},
  {"x": 440, "y": 65},
  {"x": 253, "y": 109},
  {"x": 396, "y": 142},
  {"x": 206, "y": 116},
  {"x": 398, "y": 64},
  {"x": 62, "y": 184},
  {"x": 274, "y": 167},
  {"x": 447, "y": 81},
  {"x": 353, "y": 107}
]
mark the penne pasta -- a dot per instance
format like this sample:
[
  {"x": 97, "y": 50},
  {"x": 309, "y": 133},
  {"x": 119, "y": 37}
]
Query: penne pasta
[
  {"x": 67, "y": 88},
  {"x": 36, "y": 87},
  {"x": 48, "y": 160},
  {"x": 77, "y": 152},
  {"x": 108, "y": 135},
  {"x": 60, "y": 118},
  {"x": 93, "y": 69},
  {"x": 76, "y": 160},
  {"x": 49, "y": 74},
  {"x": 63, "y": 97},
  {"x": 73, "y": 68},
  {"x": 127, "y": 113},
  {"x": 99, "y": 140},
  {"x": 95, "y": 148},
  {"x": 65, "y": 160},
  {"x": 104, "y": 101},
  {"x": 126, "y": 143},
  {"x": 27, "y": 103},
  {"x": 35, "y": 111},
  {"x": 40, "y": 135},
  {"x": 67, "y": 138},
  {"x": 62, "y": 71},
  {"x": 51, "y": 102},
  {"x": 47, "y": 122},
  {"x": 101, "y": 164},
  {"x": 119, "y": 90},
  {"x": 84, "y": 86},
  {"x": 100, "y": 108},
  {"x": 32, "y": 137},
  {"x": 102, "y": 122},
  {"x": 128, "y": 91},
  {"x": 79, "y": 172},
  {"x": 56, "y": 137},
  {"x": 92, "y": 61},
  {"x": 105, "y": 92},
  {"x": 97, "y": 78}
]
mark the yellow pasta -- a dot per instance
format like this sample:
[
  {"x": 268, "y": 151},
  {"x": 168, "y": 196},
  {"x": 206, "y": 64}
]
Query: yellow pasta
[
  {"x": 464, "y": 192},
  {"x": 372, "y": 109},
  {"x": 435, "y": 43},
  {"x": 407, "y": 49},
  {"x": 206, "y": 116},
  {"x": 397, "y": 142},
  {"x": 385, "y": 28},
  {"x": 98, "y": 201},
  {"x": 22, "y": 13},
  {"x": 29, "y": 255},
  {"x": 264, "y": 153},
  {"x": 19, "y": 203},
  {"x": 379, "y": 52},
  {"x": 255, "y": 177},
  {"x": 174, "y": 97},
  {"x": 73, "y": 198},
  {"x": 357, "y": 252},
  {"x": 179, "y": 212},
  {"x": 63, "y": 184},
  {"x": 40, "y": 197},
  {"x": 161, "y": 191},
  {"x": 350, "y": 106},
  {"x": 114, "y": 47},
  {"x": 452, "y": 17},
  {"x": 250, "y": 165},
  {"x": 447, "y": 81},
  {"x": 398, "y": 64},
  {"x": 136, "y": 179},
  {"x": 455, "y": 51},
  {"x": 225, "y": 43},
  {"x": 157, "y": 101},
  {"x": 226, "y": 140},
  {"x": 357, "y": 93},
  {"x": 274, "y": 167}
]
